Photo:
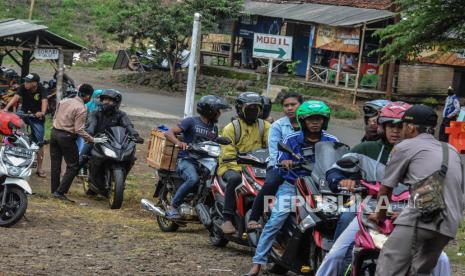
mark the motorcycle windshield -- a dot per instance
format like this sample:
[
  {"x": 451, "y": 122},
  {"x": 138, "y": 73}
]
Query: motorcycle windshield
[
  {"x": 326, "y": 154},
  {"x": 117, "y": 136}
]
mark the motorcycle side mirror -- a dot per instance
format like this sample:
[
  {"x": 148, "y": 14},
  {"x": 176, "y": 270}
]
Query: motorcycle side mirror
[
  {"x": 347, "y": 162},
  {"x": 223, "y": 140},
  {"x": 284, "y": 148}
]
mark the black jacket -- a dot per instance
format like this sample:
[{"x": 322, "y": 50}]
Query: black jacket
[{"x": 98, "y": 122}]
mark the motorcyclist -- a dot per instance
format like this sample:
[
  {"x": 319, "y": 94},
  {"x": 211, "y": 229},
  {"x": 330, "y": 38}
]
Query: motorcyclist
[
  {"x": 193, "y": 130},
  {"x": 390, "y": 122},
  {"x": 248, "y": 132},
  {"x": 290, "y": 101},
  {"x": 370, "y": 115},
  {"x": 313, "y": 118},
  {"x": 106, "y": 116}
]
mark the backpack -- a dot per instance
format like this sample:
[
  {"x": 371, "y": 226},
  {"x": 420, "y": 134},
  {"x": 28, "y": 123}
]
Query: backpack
[{"x": 237, "y": 131}]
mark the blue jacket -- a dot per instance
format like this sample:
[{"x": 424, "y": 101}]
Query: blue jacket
[
  {"x": 278, "y": 131},
  {"x": 296, "y": 141}
]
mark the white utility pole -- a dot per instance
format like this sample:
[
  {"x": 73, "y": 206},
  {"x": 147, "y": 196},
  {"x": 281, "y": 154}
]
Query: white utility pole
[
  {"x": 270, "y": 71},
  {"x": 59, "y": 94},
  {"x": 191, "y": 77}
]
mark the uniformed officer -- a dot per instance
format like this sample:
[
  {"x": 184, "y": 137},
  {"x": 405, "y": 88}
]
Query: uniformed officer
[{"x": 415, "y": 246}]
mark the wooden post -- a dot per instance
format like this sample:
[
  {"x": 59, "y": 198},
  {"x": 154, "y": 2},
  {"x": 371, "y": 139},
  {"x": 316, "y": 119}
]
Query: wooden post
[
  {"x": 390, "y": 79},
  {"x": 233, "y": 43},
  {"x": 26, "y": 61},
  {"x": 308, "y": 74},
  {"x": 31, "y": 9},
  {"x": 338, "y": 72},
  {"x": 360, "y": 56},
  {"x": 60, "y": 76}
]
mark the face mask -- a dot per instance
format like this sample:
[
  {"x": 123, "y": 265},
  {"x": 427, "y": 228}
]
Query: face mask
[
  {"x": 108, "y": 108},
  {"x": 251, "y": 114}
]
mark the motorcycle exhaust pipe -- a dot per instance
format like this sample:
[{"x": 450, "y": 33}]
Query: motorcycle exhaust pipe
[{"x": 147, "y": 205}]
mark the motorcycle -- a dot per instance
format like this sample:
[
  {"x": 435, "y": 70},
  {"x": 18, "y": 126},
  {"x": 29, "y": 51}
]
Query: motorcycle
[
  {"x": 17, "y": 158},
  {"x": 51, "y": 87},
  {"x": 370, "y": 239},
  {"x": 253, "y": 178},
  {"x": 114, "y": 159},
  {"x": 196, "y": 205},
  {"x": 307, "y": 236}
]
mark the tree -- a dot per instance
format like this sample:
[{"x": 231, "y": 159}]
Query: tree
[
  {"x": 168, "y": 27},
  {"x": 424, "y": 25}
]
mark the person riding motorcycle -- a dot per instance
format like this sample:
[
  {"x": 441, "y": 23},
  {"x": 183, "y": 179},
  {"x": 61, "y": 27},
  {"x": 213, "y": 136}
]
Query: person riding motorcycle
[
  {"x": 248, "y": 132},
  {"x": 390, "y": 127},
  {"x": 193, "y": 130},
  {"x": 106, "y": 116},
  {"x": 313, "y": 118},
  {"x": 370, "y": 115},
  {"x": 290, "y": 101}
]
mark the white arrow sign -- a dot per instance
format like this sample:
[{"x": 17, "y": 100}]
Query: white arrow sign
[{"x": 277, "y": 47}]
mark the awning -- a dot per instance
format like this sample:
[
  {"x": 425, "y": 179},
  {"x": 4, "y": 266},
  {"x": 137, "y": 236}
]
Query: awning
[
  {"x": 19, "y": 32},
  {"x": 338, "y": 16}
]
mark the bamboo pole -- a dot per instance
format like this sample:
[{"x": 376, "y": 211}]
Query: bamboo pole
[
  {"x": 31, "y": 9},
  {"x": 338, "y": 73},
  {"x": 362, "y": 44}
]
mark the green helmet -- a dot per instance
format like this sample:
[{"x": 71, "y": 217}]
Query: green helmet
[{"x": 312, "y": 108}]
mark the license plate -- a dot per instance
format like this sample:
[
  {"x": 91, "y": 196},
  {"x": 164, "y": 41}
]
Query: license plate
[
  {"x": 20, "y": 152},
  {"x": 261, "y": 173}
]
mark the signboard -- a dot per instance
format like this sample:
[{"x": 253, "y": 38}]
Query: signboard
[
  {"x": 46, "y": 53},
  {"x": 275, "y": 47},
  {"x": 337, "y": 39}
]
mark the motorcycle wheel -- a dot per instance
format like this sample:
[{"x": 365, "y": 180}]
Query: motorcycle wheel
[
  {"x": 117, "y": 179},
  {"x": 279, "y": 270},
  {"x": 165, "y": 224},
  {"x": 16, "y": 205},
  {"x": 217, "y": 238}
]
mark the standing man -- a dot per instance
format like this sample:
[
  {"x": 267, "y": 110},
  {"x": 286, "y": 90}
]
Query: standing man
[
  {"x": 450, "y": 113},
  {"x": 68, "y": 122},
  {"x": 434, "y": 173},
  {"x": 34, "y": 101}
]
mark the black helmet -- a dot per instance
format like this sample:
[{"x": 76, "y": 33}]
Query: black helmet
[
  {"x": 247, "y": 99},
  {"x": 267, "y": 105},
  {"x": 210, "y": 106},
  {"x": 115, "y": 96},
  {"x": 372, "y": 108}
]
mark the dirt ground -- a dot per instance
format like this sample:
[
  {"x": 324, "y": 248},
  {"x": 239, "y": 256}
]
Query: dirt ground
[{"x": 86, "y": 237}]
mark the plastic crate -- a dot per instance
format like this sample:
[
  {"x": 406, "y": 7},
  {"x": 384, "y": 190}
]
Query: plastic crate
[{"x": 162, "y": 153}]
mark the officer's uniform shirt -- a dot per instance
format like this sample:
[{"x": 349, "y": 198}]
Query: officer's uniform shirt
[{"x": 415, "y": 159}]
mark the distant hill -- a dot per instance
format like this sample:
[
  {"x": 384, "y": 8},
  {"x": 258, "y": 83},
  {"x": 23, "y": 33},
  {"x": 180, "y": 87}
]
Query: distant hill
[{"x": 82, "y": 21}]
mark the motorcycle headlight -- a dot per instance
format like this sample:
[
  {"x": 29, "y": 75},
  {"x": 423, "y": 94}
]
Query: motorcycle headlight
[
  {"x": 109, "y": 152},
  {"x": 213, "y": 151},
  {"x": 14, "y": 171}
]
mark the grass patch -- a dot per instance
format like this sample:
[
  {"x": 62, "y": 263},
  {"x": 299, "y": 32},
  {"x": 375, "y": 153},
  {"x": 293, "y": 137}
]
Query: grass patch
[
  {"x": 103, "y": 60},
  {"x": 456, "y": 248},
  {"x": 345, "y": 114},
  {"x": 48, "y": 126},
  {"x": 226, "y": 73}
]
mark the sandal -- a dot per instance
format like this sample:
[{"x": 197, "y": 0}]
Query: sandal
[
  {"x": 41, "y": 174},
  {"x": 253, "y": 225}
]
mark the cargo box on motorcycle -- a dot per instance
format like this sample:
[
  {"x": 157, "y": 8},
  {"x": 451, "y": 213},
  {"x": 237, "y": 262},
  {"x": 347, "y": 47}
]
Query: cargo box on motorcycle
[{"x": 162, "y": 153}]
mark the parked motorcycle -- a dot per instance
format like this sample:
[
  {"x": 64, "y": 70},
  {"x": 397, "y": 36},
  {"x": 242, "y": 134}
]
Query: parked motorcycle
[
  {"x": 197, "y": 204},
  {"x": 17, "y": 158},
  {"x": 113, "y": 160},
  {"x": 308, "y": 235},
  {"x": 253, "y": 177},
  {"x": 51, "y": 87}
]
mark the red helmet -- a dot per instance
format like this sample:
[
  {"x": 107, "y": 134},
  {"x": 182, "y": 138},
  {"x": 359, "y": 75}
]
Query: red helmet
[
  {"x": 9, "y": 122},
  {"x": 393, "y": 112}
]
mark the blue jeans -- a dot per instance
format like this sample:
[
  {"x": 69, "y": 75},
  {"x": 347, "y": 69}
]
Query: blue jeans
[
  {"x": 187, "y": 170},
  {"x": 37, "y": 128},
  {"x": 344, "y": 221},
  {"x": 332, "y": 263},
  {"x": 281, "y": 210}
]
